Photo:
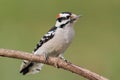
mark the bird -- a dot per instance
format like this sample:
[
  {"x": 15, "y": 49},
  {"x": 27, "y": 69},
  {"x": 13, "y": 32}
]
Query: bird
[{"x": 54, "y": 43}]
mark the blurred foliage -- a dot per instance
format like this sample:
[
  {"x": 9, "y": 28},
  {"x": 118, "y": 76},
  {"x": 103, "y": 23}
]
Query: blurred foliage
[{"x": 96, "y": 45}]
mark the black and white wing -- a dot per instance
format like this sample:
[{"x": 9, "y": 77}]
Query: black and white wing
[
  {"x": 31, "y": 67},
  {"x": 49, "y": 35}
]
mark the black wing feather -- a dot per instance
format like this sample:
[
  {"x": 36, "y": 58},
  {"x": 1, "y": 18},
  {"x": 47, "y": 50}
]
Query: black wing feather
[{"x": 50, "y": 34}]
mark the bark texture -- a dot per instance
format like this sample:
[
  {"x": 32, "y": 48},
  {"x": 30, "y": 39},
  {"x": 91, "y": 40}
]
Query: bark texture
[{"x": 53, "y": 61}]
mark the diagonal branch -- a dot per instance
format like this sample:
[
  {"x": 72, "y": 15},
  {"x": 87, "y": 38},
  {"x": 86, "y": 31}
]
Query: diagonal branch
[{"x": 53, "y": 62}]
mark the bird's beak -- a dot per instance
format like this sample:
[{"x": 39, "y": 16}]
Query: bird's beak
[{"x": 74, "y": 18}]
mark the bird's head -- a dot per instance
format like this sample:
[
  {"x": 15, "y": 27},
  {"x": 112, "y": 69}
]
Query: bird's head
[{"x": 65, "y": 18}]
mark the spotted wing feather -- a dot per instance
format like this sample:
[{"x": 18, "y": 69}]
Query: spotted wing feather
[
  {"x": 50, "y": 34},
  {"x": 32, "y": 67}
]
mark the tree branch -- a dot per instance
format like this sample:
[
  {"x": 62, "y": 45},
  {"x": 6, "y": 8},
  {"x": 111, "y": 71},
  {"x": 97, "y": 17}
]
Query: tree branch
[{"x": 53, "y": 61}]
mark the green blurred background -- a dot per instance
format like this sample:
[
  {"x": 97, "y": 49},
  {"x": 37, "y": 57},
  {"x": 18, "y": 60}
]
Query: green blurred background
[{"x": 96, "y": 45}]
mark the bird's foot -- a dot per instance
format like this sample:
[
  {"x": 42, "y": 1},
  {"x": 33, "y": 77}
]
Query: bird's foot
[{"x": 61, "y": 57}]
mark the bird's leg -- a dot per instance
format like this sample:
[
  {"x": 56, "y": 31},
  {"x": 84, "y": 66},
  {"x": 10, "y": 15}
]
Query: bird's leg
[
  {"x": 61, "y": 57},
  {"x": 46, "y": 58}
]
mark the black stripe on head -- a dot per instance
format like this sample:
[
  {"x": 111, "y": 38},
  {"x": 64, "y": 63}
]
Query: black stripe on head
[
  {"x": 61, "y": 18},
  {"x": 64, "y": 18}
]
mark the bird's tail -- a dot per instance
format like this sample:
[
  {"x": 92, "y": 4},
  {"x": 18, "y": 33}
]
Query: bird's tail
[{"x": 28, "y": 67}]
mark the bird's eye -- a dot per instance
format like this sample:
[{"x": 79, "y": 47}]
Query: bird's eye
[
  {"x": 68, "y": 17},
  {"x": 61, "y": 19}
]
